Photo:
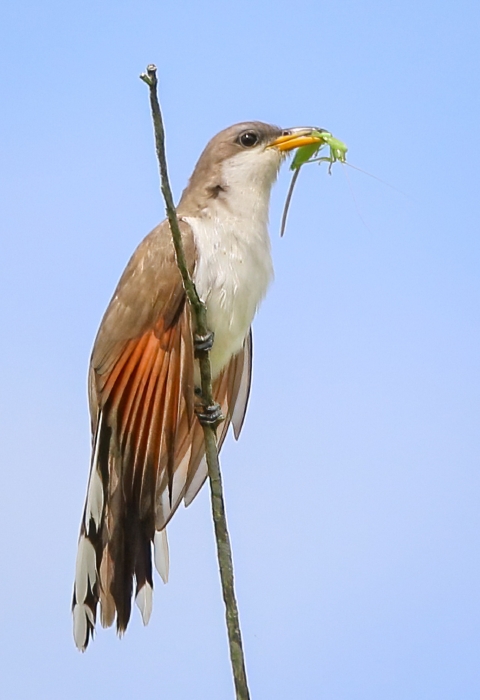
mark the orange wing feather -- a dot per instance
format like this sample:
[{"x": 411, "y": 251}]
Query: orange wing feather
[{"x": 148, "y": 451}]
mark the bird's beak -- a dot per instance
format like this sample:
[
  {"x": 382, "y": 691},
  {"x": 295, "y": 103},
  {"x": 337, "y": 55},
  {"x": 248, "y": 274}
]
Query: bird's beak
[{"x": 296, "y": 137}]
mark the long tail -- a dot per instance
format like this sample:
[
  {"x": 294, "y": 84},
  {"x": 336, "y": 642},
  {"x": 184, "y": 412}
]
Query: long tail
[{"x": 115, "y": 545}]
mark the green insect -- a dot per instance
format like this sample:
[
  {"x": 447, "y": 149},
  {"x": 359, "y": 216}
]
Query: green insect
[{"x": 307, "y": 154}]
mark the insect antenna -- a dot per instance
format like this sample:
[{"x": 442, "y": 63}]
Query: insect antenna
[
  {"x": 354, "y": 198},
  {"x": 365, "y": 172}
]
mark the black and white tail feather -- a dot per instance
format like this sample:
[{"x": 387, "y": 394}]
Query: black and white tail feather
[{"x": 130, "y": 545}]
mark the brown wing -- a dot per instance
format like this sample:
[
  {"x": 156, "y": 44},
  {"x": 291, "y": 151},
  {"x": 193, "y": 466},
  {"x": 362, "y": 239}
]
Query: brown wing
[
  {"x": 231, "y": 391},
  {"x": 147, "y": 450}
]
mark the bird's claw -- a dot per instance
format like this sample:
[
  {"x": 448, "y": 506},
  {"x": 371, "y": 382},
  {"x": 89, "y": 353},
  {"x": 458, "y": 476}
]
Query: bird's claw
[
  {"x": 210, "y": 415},
  {"x": 203, "y": 343}
]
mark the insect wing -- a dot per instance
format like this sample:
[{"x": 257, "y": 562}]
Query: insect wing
[{"x": 304, "y": 153}]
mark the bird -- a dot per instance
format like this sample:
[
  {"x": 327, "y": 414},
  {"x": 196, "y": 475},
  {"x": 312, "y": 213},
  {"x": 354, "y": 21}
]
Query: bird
[{"x": 148, "y": 452}]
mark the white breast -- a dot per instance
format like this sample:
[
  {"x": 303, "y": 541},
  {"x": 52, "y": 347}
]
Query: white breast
[{"x": 234, "y": 264}]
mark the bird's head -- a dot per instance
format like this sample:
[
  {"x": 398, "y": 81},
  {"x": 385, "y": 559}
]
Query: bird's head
[{"x": 244, "y": 157}]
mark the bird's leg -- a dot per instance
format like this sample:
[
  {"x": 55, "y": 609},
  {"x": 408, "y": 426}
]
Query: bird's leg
[
  {"x": 207, "y": 415},
  {"x": 203, "y": 343}
]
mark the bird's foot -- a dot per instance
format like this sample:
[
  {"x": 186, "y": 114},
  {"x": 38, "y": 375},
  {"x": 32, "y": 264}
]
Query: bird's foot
[
  {"x": 209, "y": 415},
  {"x": 203, "y": 343}
]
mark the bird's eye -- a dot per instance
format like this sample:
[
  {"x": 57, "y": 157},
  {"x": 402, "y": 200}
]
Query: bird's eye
[{"x": 248, "y": 139}]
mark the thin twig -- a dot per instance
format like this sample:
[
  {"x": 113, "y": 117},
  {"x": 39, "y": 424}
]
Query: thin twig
[{"x": 224, "y": 551}]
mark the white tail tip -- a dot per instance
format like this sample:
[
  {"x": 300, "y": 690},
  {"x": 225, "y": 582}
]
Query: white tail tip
[
  {"x": 162, "y": 563},
  {"x": 81, "y": 615},
  {"x": 144, "y": 601}
]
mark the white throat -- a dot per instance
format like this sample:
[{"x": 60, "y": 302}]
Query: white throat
[{"x": 234, "y": 264}]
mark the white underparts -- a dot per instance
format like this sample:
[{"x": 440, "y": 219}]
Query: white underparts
[{"x": 234, "y": 264}]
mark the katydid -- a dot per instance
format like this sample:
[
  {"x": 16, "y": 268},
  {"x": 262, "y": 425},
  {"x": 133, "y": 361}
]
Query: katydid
[{"x": 306, "y": 154}]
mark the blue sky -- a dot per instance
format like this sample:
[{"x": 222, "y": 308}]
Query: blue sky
[{"x": 353, "y": 493}]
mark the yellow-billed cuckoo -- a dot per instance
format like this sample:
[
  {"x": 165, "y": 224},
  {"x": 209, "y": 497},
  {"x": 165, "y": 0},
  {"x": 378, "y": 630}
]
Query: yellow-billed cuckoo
[{"x": 147, "y": 445}]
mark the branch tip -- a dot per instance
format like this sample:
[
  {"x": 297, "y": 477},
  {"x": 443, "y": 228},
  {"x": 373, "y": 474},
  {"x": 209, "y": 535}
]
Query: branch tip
[{"x": 150, "y": 77}]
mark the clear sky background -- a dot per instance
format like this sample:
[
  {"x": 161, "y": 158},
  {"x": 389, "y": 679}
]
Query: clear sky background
[{"x": 353, "y": 494}]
